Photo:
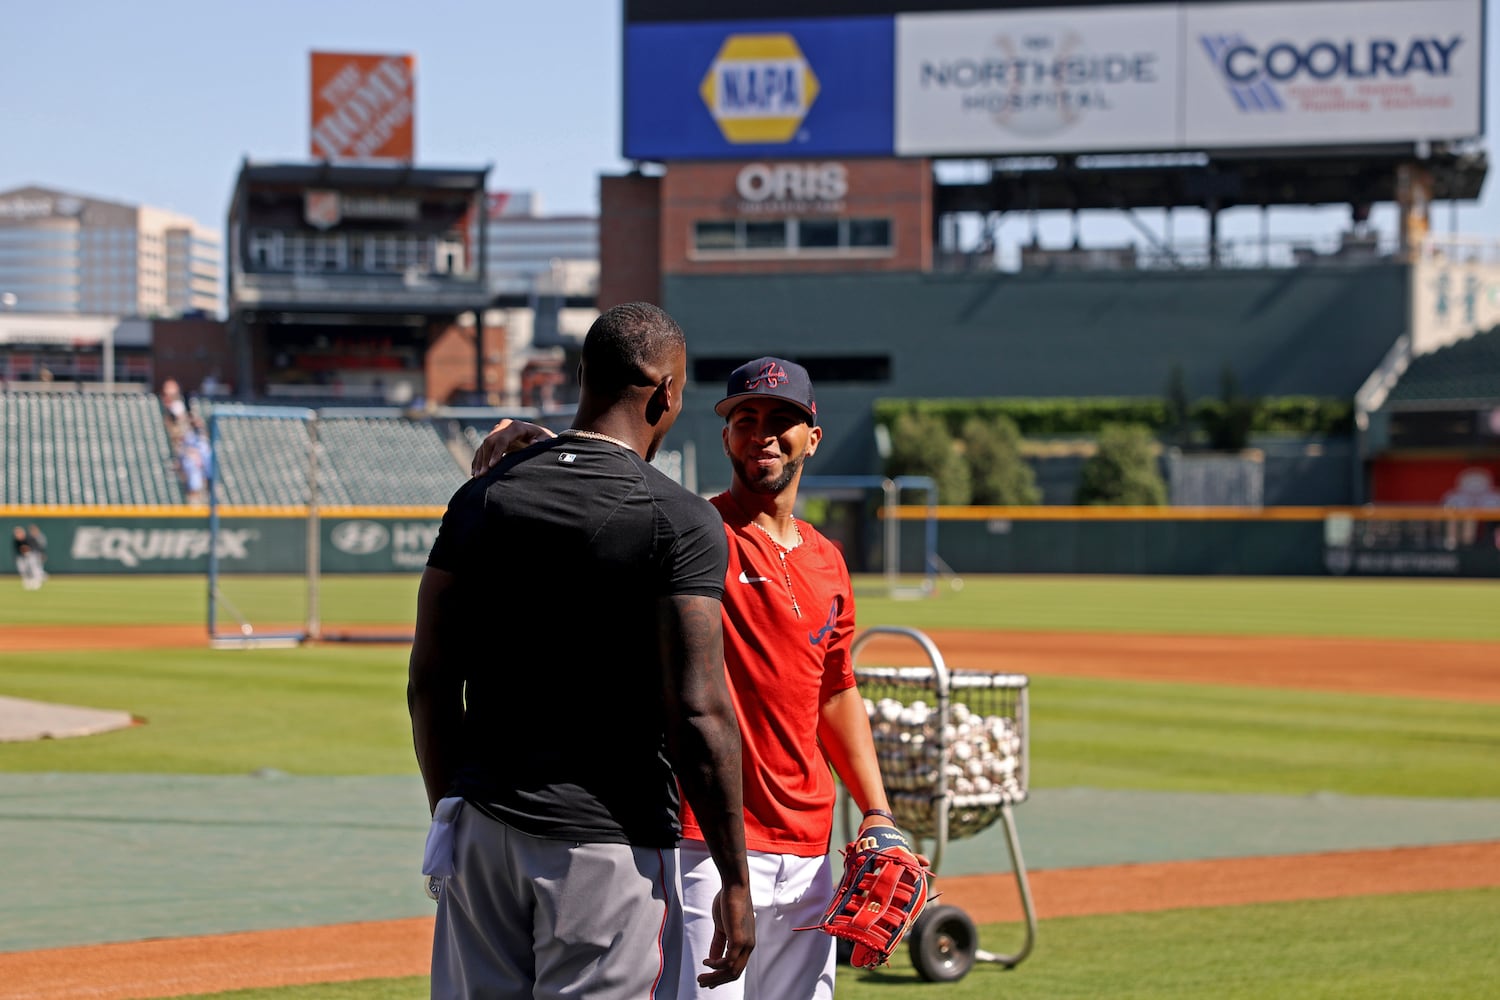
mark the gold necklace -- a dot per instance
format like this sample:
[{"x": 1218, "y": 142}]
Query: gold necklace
[
  {"x": 595, "y": 436},
  {"x": 781, "y": 554}
]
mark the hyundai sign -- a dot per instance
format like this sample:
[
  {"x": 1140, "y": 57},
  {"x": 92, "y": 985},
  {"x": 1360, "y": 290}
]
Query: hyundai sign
[
  {"x": 752, "y": 89},
  {"x": 1328, "y": 73}
]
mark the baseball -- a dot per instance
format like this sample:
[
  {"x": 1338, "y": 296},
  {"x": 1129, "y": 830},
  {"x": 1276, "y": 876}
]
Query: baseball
[
  {"x": 246, "y": 629},
  {"x": 976, "y": 752}
]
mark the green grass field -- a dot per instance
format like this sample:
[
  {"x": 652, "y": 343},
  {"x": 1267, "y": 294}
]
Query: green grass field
[
  {"x": 1413, "y": 609},
  {"x": 1432, "y": 946},
  {"x": 340, "y": 710}
]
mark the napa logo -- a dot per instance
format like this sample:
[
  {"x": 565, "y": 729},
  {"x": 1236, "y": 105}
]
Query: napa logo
[{"x": 759, "y": 88}]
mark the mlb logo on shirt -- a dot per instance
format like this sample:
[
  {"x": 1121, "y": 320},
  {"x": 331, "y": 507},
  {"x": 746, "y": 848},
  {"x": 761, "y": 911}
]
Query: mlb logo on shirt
[{"x": 566, "y": 457}]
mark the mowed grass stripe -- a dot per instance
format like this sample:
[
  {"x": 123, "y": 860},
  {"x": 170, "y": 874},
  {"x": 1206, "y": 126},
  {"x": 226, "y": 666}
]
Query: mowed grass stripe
[
  {"x": 342, "y": 710},
  {"x": 1437, "y": 946},
  {"x": 1209, "y": 738},
  {"x": 1417, "y": 609}
]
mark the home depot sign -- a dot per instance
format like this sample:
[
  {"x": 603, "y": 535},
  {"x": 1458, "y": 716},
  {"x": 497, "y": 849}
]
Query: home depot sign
[{"x": 363, "y": 106}]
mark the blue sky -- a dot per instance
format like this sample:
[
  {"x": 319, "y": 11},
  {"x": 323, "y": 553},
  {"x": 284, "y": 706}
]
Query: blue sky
[{"x": 158, "y": 101}]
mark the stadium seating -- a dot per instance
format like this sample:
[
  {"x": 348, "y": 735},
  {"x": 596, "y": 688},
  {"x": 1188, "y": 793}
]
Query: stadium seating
[
  {"x": 85, "y": 448},
  {"x": 372, "y": 460},
  {"x": 1468, "y": 370},
  {"x": 261, "y": 462},
  {"x": 106, "y": 449}
]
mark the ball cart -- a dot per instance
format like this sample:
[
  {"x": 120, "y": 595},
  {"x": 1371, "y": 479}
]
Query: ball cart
[{"x": 953, "y": 751}]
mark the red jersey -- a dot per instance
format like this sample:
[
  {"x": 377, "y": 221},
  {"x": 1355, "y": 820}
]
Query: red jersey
[{"x": 788, "y": 625}]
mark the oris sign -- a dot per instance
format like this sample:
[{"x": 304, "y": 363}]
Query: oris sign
[{"x": 792, "y": 187}]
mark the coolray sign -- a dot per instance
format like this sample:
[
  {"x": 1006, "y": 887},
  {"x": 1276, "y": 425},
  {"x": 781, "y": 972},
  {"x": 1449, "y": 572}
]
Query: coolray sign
[
  {"x": 133, "y": 546},
  {"x": 792, "y": 187},
  {"x": 1036, "y": 81},
  {"x": 750, "y": 89},
  {"x": 1318, "y": 73},
  {"x": 1196, "y": 76}
]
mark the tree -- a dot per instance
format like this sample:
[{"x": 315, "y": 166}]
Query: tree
[
  {"x": 1228, "y": 420},
  {"x": 998, "y": 473},
  {"x": 1123, "y": 470},
  {"x": 1179, "y": 423},
  {"x": 922, "y": 446}
]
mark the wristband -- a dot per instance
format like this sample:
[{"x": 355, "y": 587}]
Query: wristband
[{"x": 879, "y": 812}]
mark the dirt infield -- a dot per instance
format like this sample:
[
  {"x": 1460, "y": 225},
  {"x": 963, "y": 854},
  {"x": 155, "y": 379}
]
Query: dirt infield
[
  {"x": 1467, "y": 671},
  {"x": 1448, "y": 670},
  {"x": 1410, "y": 668}
]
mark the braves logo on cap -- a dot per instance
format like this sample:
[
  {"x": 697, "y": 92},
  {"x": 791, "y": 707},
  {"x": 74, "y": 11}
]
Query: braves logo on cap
[{"x": 771, "y": 374}]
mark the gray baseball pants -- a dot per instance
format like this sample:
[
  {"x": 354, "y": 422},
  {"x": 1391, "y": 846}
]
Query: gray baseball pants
[{"x": 526, "y": 918}]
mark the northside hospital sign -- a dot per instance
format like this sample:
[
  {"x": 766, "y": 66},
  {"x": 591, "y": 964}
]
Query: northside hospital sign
[
  {"x": 1176, "y": 76},
  {"x": 1106, "y": 78}
]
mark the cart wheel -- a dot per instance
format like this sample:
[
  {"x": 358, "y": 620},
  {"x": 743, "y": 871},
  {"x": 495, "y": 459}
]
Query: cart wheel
[{"x": 943, "y": 943}]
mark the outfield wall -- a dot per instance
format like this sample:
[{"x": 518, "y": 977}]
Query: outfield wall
[
  {"x": 250, "y": 540},
  {"x": 1227, "y": 541},
  {"x": 1275, "y": 541}
]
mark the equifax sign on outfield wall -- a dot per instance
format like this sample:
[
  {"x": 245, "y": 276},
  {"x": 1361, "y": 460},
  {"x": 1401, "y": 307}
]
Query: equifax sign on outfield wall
[
  {"x": 363, "y": 106},
  {"x": 131, "y": 547}
]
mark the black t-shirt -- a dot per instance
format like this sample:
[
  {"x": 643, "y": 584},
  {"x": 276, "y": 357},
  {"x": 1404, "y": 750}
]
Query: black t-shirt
[{"x": 564, "y": 550}]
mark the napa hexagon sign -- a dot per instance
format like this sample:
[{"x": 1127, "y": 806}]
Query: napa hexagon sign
[{"x": 759, "y": 88}]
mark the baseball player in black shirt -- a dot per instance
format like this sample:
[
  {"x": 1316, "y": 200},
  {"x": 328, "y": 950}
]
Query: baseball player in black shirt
[{"x": 552, "y": 760}]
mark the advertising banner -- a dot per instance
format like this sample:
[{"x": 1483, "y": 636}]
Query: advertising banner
[
  {"x": 1453, "y": 296},
  {"x": 363, "y": 107},
  {"x": 376, "y": 544},
  {"x": 1328, "y": 73},
  {"x": 1037, "y": 81},
  {"x": 104, "y": 543},
  {"x": 751, "y": 89}
]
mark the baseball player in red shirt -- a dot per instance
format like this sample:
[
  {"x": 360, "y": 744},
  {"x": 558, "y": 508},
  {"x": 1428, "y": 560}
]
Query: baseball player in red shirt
[{"x": 788, "y": 626}]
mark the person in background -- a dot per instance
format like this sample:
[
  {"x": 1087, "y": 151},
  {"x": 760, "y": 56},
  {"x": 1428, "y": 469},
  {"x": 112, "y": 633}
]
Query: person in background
[{"x": 28, "y": 565}]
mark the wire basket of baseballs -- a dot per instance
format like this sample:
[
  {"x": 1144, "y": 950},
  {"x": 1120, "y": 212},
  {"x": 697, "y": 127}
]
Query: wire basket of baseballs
[{"x": 980, "y": 753}]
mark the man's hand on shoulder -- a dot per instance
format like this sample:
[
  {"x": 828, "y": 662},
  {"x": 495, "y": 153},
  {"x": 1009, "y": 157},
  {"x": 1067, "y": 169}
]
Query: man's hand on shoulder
[{"x": 505, "y": 437}]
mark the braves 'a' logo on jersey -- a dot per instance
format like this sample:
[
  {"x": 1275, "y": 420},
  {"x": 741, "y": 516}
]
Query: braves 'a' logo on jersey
[{"x": 834, "y": 608}]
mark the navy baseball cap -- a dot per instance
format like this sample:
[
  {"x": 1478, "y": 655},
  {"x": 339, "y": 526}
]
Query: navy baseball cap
[{"x": 772, "y": 377}]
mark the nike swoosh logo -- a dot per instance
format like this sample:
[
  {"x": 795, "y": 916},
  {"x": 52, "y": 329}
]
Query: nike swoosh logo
[{"x": 753, "y": 579}]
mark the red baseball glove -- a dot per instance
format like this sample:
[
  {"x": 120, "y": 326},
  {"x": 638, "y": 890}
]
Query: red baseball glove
[{"x": 882, "y": 892}]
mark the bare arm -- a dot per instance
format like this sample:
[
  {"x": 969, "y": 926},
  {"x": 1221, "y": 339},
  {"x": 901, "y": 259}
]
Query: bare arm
[
  {"x": 506, "y": 436},
  {"x": 844, "y": 732},
  {"x": 704, "y": 741},
  {"x": 434, "y": 687}
]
